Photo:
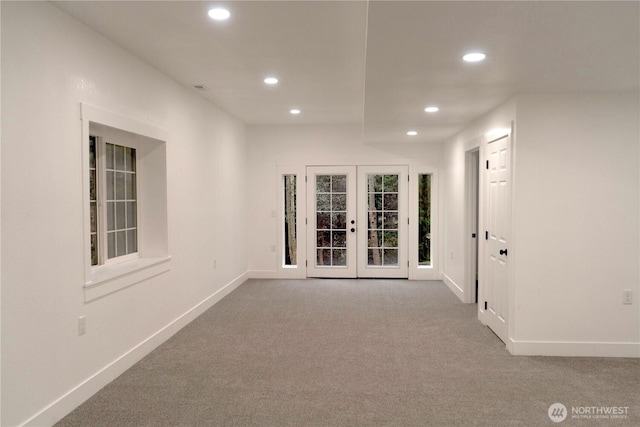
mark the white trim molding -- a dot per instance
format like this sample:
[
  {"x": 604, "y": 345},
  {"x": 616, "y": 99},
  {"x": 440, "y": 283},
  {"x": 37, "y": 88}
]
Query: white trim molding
[
  {"x": 105, "y": 281},
  {"x": 573, "y": 349},
  {"x": 455, "y": 288},
  {"x": 153, "y": 255},
  {"x": 267, "y": 274}
]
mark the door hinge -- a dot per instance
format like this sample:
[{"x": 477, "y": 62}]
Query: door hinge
[
  {"x": 408, "y": 178},
  {"x": 407, "y": 263},
  {"x": 487, "y": 164},
  {"x": 407, "y": 221},
  {"x": 305, "y": 221},
  {"x": 306, "y": 263},
  {"x": 305, "y": 178},
  {"x": 486, "y": 235},
  {"x": 485, "y": 305}
]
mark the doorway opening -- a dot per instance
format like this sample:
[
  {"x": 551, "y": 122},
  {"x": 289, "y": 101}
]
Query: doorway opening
[{"x": 472, "y": 235}]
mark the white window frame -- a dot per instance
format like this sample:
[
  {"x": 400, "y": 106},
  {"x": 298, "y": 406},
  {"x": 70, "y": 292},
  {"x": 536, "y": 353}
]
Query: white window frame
[
  {"x": 416, "y": 271},
  {"x": 101, "y": 189},
  {"x": 153, "y": 256},
  {"x": 299, "y": 270}
]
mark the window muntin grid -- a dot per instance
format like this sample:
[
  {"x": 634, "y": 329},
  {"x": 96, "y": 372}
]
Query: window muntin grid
[
  {"x": 121, "y": 203},
  {"x": 331, "y": 220}
]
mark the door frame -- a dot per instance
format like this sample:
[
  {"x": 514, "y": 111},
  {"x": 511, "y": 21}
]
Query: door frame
[
  {"x": 361, "y": 267},
  {"x": 472, "y": 224},
  {"x": 299, "y": 271}
]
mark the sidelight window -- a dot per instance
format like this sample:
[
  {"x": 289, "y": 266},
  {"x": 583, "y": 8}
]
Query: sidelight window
[
  {"x": 290, "y": 216},
  {"x": 424, "y": 219}
]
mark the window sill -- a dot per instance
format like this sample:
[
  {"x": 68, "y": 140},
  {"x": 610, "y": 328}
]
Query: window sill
[{"x": 108, "y": 279}]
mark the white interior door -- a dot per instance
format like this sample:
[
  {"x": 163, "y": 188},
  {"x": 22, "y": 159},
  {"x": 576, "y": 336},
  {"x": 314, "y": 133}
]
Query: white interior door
[
  {"x": 382, "y": 220},
  {"x": 331, "y": 221},
  {"x": 497, "y": 239}
]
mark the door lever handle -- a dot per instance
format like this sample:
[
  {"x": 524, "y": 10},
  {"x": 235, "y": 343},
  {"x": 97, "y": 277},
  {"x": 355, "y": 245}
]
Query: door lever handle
[{"x": 503, "y": 252}]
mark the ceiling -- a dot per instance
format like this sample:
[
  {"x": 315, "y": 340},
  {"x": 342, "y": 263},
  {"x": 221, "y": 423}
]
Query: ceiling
[{"x": 377, "y": 63}]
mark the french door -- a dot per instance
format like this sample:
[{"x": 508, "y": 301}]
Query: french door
[
  {"x": 331, "y": 221},
  {"x": 357, "y": 221}
]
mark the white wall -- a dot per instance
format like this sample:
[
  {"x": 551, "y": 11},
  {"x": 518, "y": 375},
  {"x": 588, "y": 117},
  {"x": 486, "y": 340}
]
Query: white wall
[
  {"x": 294, "y": 147},
  {"x": 575, "y": 227},
  {"x": 50, "y": 64},
  {"x": 577, "y": 195}
]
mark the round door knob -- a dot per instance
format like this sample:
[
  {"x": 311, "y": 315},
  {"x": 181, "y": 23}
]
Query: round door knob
[
  {"x": 353, "y": 221},
  {"x": 353, "y": 230}
]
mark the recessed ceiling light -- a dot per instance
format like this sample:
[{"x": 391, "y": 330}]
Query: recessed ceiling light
[
  {"x": 412, "y": 133},
  {"x": 294, "y": 111},
  {"x": 219, "y": 14},
  {"x": 474, "y": 57},
  {"x": 271, "y": 80},
  {"x": 432, "y": 109}
]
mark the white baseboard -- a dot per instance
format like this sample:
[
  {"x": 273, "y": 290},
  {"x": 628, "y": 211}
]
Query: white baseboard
[
  {"x": 457, "y": 290},
  {"x": 574, "y": 349},
  {"x": 83, "y": 391},
  {"x": 263, "y": 274},
  {"x": 282, "y": 273}
]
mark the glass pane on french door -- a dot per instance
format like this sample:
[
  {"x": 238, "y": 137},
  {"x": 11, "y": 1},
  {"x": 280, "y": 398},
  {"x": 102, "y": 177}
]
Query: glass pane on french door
[
  {"x": 331, "y": 221},
  {"x": 382, "y": 215},
  {"x": 382, "y": 224}
]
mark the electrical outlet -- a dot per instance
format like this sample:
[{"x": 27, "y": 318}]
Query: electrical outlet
[
  {"x": 273, "y": 248},
  {"x": 452, "y": 255},
  {"x": 215, "y": 263},
  {"x": 82, "y": 325},
  {"x": 627, "y": 296}
]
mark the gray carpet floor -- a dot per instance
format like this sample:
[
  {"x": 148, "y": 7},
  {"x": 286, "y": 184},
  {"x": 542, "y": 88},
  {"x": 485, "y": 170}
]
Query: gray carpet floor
[{"x": 353, "y": 353}]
